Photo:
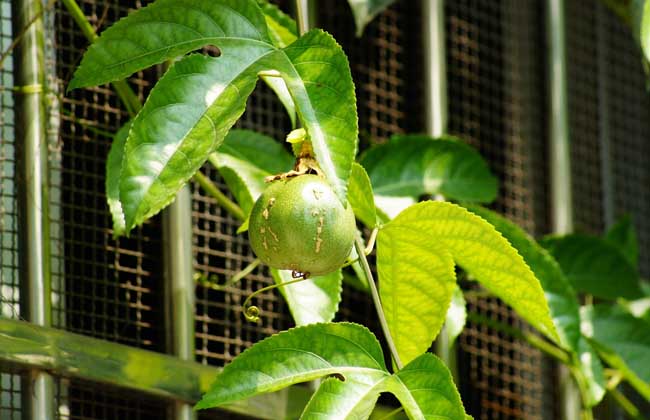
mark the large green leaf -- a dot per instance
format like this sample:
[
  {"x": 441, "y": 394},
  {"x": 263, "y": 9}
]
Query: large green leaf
[
  {"x": 245, "y": 159},
  {"x": 113, "y": 170},
  {"x": 415, "y": 256},
  {"x": 360, "y": 196},
  {"x": 185, "y": 118},
  {"x": 623, "y": 236},
  {"x": 364, "y": 11},
  {"x": 594, "y": 266},
  {"x": 562, "y": 299},
  {"x": 622, "y": 340},
  {"x": 313, "y": 300},
  {"x": 408, "y": 167},
  {"x": 351, "y": 356},
  {"x": 167, "y": 29},
  {"x": 298, "y": 355},
  {"x": 199, "y": 98}
]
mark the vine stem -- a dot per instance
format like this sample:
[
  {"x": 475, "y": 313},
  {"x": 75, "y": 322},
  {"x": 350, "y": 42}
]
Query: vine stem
[
  {"x": 229, "y": 205},
  {"x": 358, "y": 244},
  {"x": 122, "y": 88}
]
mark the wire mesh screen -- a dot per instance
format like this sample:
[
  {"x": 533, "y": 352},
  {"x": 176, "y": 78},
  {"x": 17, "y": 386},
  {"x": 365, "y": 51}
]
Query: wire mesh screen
[
  {"x": 112, "y": 286},
  {"x": 609, "y": 126},
  {"x": 496, "y": 91},
  {"x": 10, "y": 400}
]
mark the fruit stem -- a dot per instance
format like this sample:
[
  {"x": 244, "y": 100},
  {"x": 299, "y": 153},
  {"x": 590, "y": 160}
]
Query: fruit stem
[
  {"x": 358, "y": 244},
  {"x": 229, "y": 205}
]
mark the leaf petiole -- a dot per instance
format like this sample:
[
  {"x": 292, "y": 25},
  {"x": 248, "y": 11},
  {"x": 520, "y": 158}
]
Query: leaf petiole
[{"x": 358, "y": 244}]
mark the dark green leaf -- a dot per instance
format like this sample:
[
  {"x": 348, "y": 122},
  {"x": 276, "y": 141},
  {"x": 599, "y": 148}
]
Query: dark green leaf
[
  {"x": 164, "y": 30},
  {"x": 623, "y": 236},
  {"x": 313, "y": 300},
  {"x": 364, "y": 11},
  {"x": 360, "y": 196},
  {"x": 298, "y": 355},
  {"x": 113, "y": 170},
  {"x": 415, "y": 262},
  {"x": 594, "y": 266},
  {"x": 562, "y": 299},
  {"x": 408, "y": 167},
  {"x": 186, "y": 117},
  {"x": 622, "y": 340},
  {"x": 245, "y": 159}
]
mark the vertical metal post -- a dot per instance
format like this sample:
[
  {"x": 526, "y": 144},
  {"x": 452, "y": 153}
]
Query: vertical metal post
[
  {"x": 179, "y": 285},
  {"x": 560, "y": 167},
  {"x": 435, "y": 67},
  {"x": 305, "y": 12},
  {"x": 435, "y": 109},
  {"x": 32, "y": 172}
]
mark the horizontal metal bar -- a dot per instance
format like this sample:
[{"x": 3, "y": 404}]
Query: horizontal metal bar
[{"x": 63, "y": 353}]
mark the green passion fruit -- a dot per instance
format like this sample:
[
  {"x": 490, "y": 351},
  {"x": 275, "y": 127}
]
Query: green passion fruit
[{"x": 299, "y": 224}]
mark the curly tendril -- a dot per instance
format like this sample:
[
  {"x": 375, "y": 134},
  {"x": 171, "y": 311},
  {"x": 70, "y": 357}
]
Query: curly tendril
[{"x": 252, "y": 312}]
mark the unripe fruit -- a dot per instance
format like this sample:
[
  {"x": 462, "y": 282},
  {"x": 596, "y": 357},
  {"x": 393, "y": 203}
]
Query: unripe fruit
[{"x": 300, "y": 224}]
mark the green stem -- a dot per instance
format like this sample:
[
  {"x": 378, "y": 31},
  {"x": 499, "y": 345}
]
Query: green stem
[
  {"x": 532, "y": 339},
  {"x": 122, "y": 88},
  {"x": 358, "y": 244},
  {"x": 392, "y": 413},
  {"x": 209, "y": 187},
  {"x": 630, "y": 409}
]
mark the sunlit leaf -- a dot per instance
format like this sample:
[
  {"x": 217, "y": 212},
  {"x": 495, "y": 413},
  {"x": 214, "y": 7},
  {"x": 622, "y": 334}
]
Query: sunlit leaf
[
  {"x": 360, "y": 196},
  {"x": 113, "y": 170},
  {"x": 594, "y": 266},
  {"x": 350, "y": 355},
  {"x": 562, "y": 299},
  {"x": 408, "y": 167},
  {"x": 415, "y": 261},
  {"x": 313, "y": 300},
  {"x": 622, "y": 340},
  {"x": 456, "y": 316}
]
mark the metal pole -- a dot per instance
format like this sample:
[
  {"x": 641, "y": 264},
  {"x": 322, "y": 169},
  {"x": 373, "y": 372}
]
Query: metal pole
[
  {"x": 435, "y": 110},
  {"x": 560, "y": 168},
  {"x": 179, "y": 283},
  {"x": 32, "y": 172},
  {"x": 435, "y": 67}
]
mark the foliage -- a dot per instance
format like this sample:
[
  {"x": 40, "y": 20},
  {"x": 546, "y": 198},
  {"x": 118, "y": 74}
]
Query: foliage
[{"x": 187, "y": 120}]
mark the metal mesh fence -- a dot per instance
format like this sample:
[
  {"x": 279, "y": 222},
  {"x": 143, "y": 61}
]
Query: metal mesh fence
[
  {"x": 112, "y": 286},
  {"x": 10, "y": 399},
  {"x": 496, "y": 91}
]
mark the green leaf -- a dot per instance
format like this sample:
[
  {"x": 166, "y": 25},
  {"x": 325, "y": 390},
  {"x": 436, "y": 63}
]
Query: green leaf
[
  {"x": 639, "y": 13},
  {"x": 317, "y": 74},
  {"x": 426, "y": 390},
  {"x": 456, "y": 316},
  {"x": 622, "y": 340},
  {"x": 415, "y": 256},
  {"x": 185, "y": 118},
  {"x": 197, "y": 101},
  {"x": 278, "y": 86},
  {"x": 245, "y": 159},
  {"x": 562, "y": 299},
  {"x": 298, "y": 355},
  {"x": 313, "y": 300},
  {"x": 408, "y": 167},
  {"x": 364, "y": 11},
  {"x": 590, "y": 373},
  {"x": 354, "y": 398},
  {"x": 282, "y": 28},
  {"x": 360, "y": 196},
  {"x": 623, "y": 236},
  {"x": 594, "y": 266},
  {"x": 164, "y": 30},
  {"x": 113, "y": 170}
]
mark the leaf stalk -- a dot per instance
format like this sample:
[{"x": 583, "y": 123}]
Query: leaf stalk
[
  {"x": 230, "y": 206},
  {"x": 358, "y": 244}
]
